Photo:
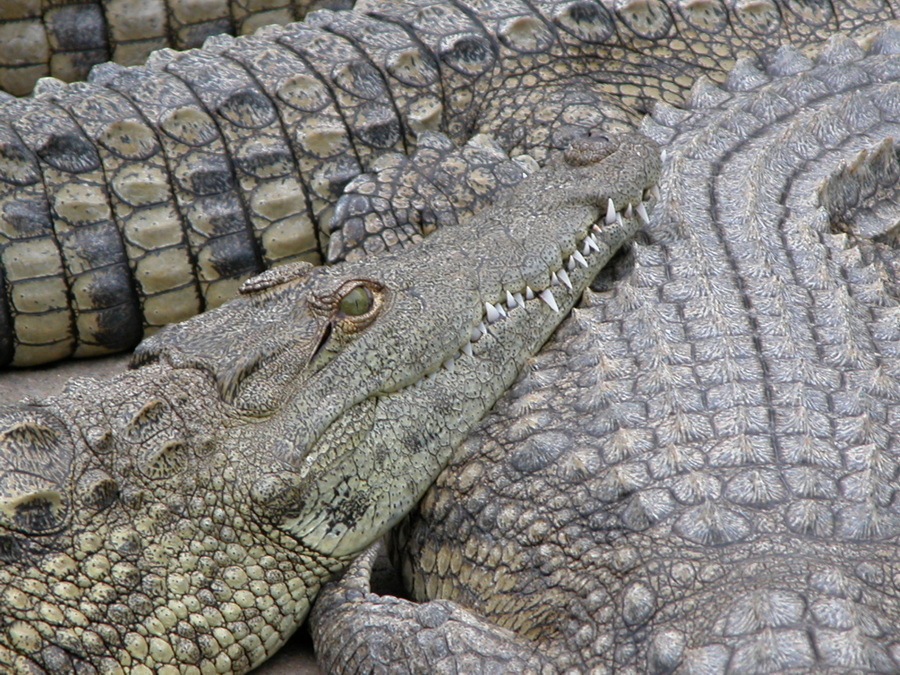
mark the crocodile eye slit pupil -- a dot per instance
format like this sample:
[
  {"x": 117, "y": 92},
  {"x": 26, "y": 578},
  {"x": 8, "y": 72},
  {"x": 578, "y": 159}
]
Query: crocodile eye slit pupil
[{"x": 357, "y": 302}]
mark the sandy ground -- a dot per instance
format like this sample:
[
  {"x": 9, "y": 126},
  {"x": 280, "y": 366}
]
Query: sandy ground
[{"x": 296, "y": 658}]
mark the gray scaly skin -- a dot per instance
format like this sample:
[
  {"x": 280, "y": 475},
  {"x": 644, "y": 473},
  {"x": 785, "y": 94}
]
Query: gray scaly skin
[
  {"x": 149, "y": 194},
  {"x": 181, "y": 517},
  {"x": 698, "y": 474},
  {"x": 63, "y": 39}
]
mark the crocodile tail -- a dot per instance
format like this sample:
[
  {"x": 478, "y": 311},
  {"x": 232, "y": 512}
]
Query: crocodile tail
[{"x": 64, "y": 40}]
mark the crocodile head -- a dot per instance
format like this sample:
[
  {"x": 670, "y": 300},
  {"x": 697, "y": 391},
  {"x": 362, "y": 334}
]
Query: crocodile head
[
  {"x": 360, "y": 378},
  {"x": 252, "y": 451}
]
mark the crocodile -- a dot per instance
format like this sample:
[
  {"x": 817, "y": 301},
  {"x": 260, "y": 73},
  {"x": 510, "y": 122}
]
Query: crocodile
[
  {"x": 698, "y": 473},
  {"x": 150, "y": 193},
  {"x": 685, "y": 590},
  {"x": 180, "y": 517}
]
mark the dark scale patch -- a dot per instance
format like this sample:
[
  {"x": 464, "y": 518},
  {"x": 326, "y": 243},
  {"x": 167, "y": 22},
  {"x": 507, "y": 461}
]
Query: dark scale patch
[
  {"x": 153, "y": 417},
  {"x": 249, "y": 109},
  {"x": 119, "y": 328},
  {"x": 69, "y": 152},
  {"x": 98, "y": 490},
  {"x": 361, "y": 79},
  {"x": 207, "y": 174},
  {"x": 195, "y": 36},
  {"x": 10, "y": 551},
  {"x": 233, "y": 256},
  {"x": 76, "y": 28},
  {"x": 166, "y": 460},
  {"x": 27, "y": 217},
  {"x": 7, "y": 345},
  {"x": 36, "y": 449},
  {"x": 265, "y": 164},
  {"x": 469, "y": 54},
  {"x": 18, "y": 165},
  {"x": 587, "y": 21},
  {"x": 383, "y": 132},
  {"x": 40, "y": 513}
]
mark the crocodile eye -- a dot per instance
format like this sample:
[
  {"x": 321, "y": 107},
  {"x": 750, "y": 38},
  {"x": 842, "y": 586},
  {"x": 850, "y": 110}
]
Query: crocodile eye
[{"x": 357, "y": 302}]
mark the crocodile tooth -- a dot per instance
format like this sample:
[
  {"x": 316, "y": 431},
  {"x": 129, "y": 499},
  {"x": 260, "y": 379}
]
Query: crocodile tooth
[
  {"x": 492, "y": 313},
  {"x": 467, "y": 349},
  {"x": 654, "y": 192},
  {"x": 554, "y": 280},
  {"x": 663, "y": 156},
  {"x": 476, "y": 334},
  {"x": 564, "y": 277},
  {"x": 482, "y": 328},
  {"x": 500, "y": 309},
  {"x": 592, "y": 242},
  {"x": 580, "y": 258},
  {"x": 511, "y": 300},
  {"x": 642, "y": 214},
  {"x": 529, "y": 294},
  {"x": 431, "y": 376},
  {"x": 547, "y": 296},
  {"x": 520, "y": 301},
  {"x": 629, "y": 212},
  {"x": 570, "y": 263},
  {"x": 610, "y": 212},
  {"x": 449, "y": 364}
]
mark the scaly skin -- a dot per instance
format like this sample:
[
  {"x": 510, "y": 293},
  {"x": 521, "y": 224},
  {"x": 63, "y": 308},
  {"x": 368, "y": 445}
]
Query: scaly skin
[
  {"x": 216, "y": 163},
  {"x": 180, "y": 518},
  {"x": 63, "y": 39},
  {"x": 698, "y": 474}
]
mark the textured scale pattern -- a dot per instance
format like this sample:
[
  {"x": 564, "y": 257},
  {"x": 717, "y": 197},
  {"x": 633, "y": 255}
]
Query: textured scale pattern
[
  {"x": 64, "y": 39},
  {"x": 698, "y": 474},
  {"x": 180, "y": 518},
  {"x": 202, "y": 167}
]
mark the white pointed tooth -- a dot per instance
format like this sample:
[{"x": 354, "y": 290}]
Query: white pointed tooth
[
  {"x": 547, "y": 296},
  {"x": 511, "y": 300},
  {"x": 619, "y": 219},
  {"x": 629, "y": 212},
  {"x": 492, "y": 313},
  {"x": 520, "y": 301},
  {"x": 654, "y": 192},
  {"x": 476, "y": 334},
  {"x": 529, "y": 294},
  {"x": 570, "y": 263},
  {"x": 500, "y": 309},
  {"x": 431, "y": 376},
  {"x": 467, "y": 349},
  {"x": 642, "y": 214},
  {"x": 564, "y": 277},
  {"x": 592, "y": 242},
  {"x": 577, "y": 257},
  {"x": 610, "y": 212},
  {"x": 482, "y": 328},
  {"x": 554, "y": 280},
  {"x": 449, "y": 364},
  {"x": 663, "y": 156}
]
